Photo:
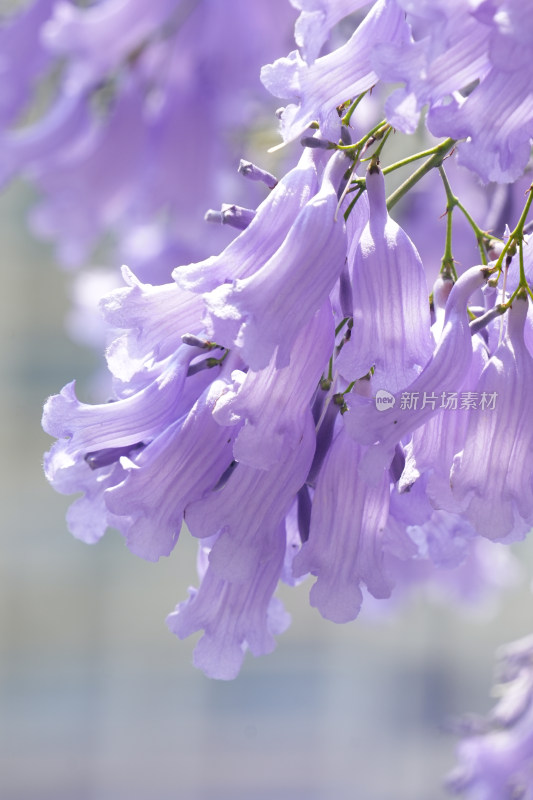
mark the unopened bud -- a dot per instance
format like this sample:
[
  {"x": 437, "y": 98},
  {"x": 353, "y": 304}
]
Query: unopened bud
[
  {"x": 315, "y": 144},
  {"x": 213, "y": 216},
  {"x": 237, "y": 216},
  {"x": 254, "y": 173},
  {"x": 230, "y": 214}
]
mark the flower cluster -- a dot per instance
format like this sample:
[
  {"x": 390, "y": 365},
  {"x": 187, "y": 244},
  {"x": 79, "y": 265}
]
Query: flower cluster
[
  {"x": 141, "y": 102},
  {"x": 262, "y": 396},
  {"x": 467, "y": 61}
]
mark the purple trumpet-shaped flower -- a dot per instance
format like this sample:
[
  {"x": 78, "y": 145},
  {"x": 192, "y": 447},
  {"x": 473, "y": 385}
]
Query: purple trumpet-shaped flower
[
  {"x": 497, "y": 149},
  {"x": 275, "y": 401},
  {"x": 265, "y": 311},
  {"x": 154, "y": 319},
  {"x": 445, "y": 372},
  {"x": 250, "y": 503},
  {"x": 487, "y": 42},
  {"x": 498, "y": 500},
  {"x": 345, "y": 545},
  {"x": 88, "y": 517},
  {"x": 496, "y": 756},
  {"x": 235, "y": 616},
  {"x": 391, "y": 325},
  {"x": 179, "y": 466},
  {"x": 259, "y": 241},
  {"x": 315, "y": 90},
  {"x": 138, "y": 417},
  {"x": 434, "y": 445},
  {"x": 234, "y": 604}
]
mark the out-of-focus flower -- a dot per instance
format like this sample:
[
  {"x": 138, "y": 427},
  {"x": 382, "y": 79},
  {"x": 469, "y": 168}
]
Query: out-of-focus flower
[
  {"x": 496, "y": 755},
  {"x": 149, "y": 96}
]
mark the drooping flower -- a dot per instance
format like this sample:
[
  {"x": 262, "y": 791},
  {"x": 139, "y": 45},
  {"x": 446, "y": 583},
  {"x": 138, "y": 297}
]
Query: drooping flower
[
  {"x": 234, "y": 405},
  {"x": 262, "y": 312},
  {"x": 234, "y": 605},
  {"x": 391, "y": 326},
  {"x": 499, "y": 500},
  {"x": 182, "y": 463},
  {"x": 345, "y": 547},
  {"x": 235, "y": 616},
  {"x": 420, "y": 400},
  {"x": 259, "y": 241},
  {"x": 274, "y": 402},
  {"x": 448, "y": 58},
  {"x": 154, "y": 318}
]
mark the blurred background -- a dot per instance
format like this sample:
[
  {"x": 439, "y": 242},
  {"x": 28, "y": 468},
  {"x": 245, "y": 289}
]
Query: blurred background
[{"x": 99, "y": 701}]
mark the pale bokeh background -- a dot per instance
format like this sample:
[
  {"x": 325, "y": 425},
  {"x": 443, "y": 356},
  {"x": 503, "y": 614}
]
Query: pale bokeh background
[{"x": 98, "y": 701}]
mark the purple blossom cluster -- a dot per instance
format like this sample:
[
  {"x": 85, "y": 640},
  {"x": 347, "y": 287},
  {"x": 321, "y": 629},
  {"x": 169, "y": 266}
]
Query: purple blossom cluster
[
  {"x": 249, "y": 403},
  {"x": 303, "y": 400},
  {"x": 121, "y": 113},
  {"x": 467, "y": 62}
]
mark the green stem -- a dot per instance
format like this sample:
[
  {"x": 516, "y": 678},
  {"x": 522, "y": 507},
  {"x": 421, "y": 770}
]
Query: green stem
[
  {"x": 347, "y": 117},
  {"x": 522, "y": 283},
  {"x": 516, "y": 235},
  {"x": 523, "y": 279},
  {"x": 341, "y": 325},
  {"x": 436, "y": 160},
  {"x": 360, "y": 182},
  {"x": 354, "y": 201},
  {"x": 376, "y": 154},
  {"x": 409, "y": 160},
  {"x": 357, "y": 146},
  {"x": 481, "y": 236},
  {"x": 453, "y": 201},
  {"x": 447, "y": 263}
]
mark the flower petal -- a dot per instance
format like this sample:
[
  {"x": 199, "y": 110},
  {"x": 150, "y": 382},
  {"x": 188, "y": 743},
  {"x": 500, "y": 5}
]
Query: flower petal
[
  {"x": 274, "y": 401},
  {"x": 344, "y": 548},
  {"x": 317, "y": 89},
  {"x": 444, "y": 372},
  {"x": 391, "y": 329}
]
